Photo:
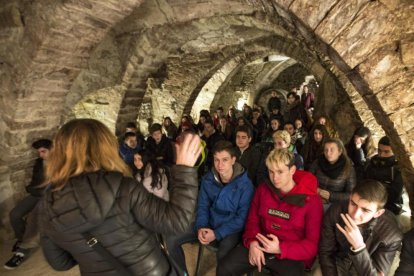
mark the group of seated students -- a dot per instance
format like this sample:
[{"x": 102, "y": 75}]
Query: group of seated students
[
  {"x": 274, "y": 193},
  {"x": 270, "y": 204}
]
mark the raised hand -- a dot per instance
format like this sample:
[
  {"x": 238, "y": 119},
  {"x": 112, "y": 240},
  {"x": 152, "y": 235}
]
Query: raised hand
[
  {"x": 188, "y": 150},
  {"x": 351, "y": 232}
]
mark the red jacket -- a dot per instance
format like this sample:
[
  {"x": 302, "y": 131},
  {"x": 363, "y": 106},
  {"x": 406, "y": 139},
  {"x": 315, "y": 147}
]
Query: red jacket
[{"x": 295, "y": 218}]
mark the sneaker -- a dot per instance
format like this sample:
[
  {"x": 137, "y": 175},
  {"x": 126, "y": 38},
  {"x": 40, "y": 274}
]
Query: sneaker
[{"x": 15, "y": 261}]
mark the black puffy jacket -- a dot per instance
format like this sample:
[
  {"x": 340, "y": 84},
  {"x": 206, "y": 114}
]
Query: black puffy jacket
[{"x": 121, "y": 214}]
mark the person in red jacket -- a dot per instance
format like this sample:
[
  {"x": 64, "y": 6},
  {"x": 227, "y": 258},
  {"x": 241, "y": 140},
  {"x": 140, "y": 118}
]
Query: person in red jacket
[{"x": 284, "y": 223}]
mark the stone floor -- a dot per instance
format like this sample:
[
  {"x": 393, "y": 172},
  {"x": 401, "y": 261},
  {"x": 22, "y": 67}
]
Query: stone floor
[{"x": 37, "y": 266}]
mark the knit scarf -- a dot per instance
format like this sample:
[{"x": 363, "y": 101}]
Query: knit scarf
[{"x": 332, "y": 170}]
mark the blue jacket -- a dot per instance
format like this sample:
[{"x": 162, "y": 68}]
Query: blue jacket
[{"x": 224, "y": 208}]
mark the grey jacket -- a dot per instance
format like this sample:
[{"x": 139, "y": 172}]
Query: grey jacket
[
  {"x": 121, "y": 214},
  {"x": 382, "y": 237}
]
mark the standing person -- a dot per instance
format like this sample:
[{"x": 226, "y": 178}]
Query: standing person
[
  {"x": 23, "y": 217},
  {"x": 307, "y": 99},
  {"x": 247, "y": 156},
  {"x": 274, "y": 103},
  {"x": 384, "y": 168},
  {"x": 160, "y": 145},
  {"x": 151, "y": 173},
  {"x": 92, "y": 194},
  {"x": 222, "y": 206},
  {"x": 258, "y": 124},
  {"x": 283, "y": 226},
  {"x": 294, "y": 110},
  {"x": 359, "y": 237},
  {"x": 360, "y": 149},
  {"x": 336, "y": 176}
]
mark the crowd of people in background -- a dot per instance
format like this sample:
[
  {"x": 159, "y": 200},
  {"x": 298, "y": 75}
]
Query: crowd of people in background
[{"x": 277, "y": 188}]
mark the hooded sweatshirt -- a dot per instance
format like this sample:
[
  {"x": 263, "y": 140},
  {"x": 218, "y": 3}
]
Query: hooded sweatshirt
[
  {"x": 224, "y": 207},
  {"x": 295, "y": 218}
]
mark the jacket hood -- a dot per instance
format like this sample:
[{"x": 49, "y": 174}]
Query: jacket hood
[
  {"x": 237, "y": 171},
  {"x": 83, "y": 203},
  {"x": 306, "y": 185}
]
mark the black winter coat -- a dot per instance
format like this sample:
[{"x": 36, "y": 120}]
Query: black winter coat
[
  {"x": 37, "y": 179},
  {"x": 121, "y": 214},
  {"x": 386, "y": 170}
]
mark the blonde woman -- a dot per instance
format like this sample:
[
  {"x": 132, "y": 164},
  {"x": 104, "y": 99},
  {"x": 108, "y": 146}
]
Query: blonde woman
[{"x": 91, "y": 191}]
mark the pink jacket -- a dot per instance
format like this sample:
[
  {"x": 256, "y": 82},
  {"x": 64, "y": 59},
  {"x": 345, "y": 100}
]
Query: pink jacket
[{"x": 295, "y": 218}]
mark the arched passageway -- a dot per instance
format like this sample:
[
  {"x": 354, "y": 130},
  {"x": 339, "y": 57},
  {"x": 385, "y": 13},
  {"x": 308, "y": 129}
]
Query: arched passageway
[{"x": 138, "y": 59}]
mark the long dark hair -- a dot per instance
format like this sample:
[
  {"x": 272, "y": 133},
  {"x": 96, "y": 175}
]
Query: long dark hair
[{"x": 148, "y": 158}]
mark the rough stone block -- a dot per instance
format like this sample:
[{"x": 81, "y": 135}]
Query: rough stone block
[
  {"x": 312, "y": 12},
  {"x": 338, "y": 19},
  {"x": 407, "y": 52}
]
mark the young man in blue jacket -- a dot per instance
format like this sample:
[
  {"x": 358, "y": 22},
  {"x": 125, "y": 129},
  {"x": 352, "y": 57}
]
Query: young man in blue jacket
[{"x": 223, "y": 204}]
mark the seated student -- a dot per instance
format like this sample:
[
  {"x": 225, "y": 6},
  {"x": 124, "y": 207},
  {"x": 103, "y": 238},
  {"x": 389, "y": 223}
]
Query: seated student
[
  {"x": 247, "y": 155},
  {"x": 406, "y": 266},
  {"x": 151, "y": 173},
  {"x": 313, "y": 147},
  {"x": 132, "y": 127},
  {"x": 283, "y": 226},
  {"x": 282, "y": 140},
  {"x": 360, "y": 149},
  {"x": 226, "y": 129},
  {"x": 295, "y": 143},
  {"x": 384, "y": 168},
  {"x": 211, "y": 137},
  {"x": 22, "y": 218},
  {"x": 223, "y": 203},
  {"x": 274, "y": 126},
  {"x": 335, "y": 173},
  {"x": 128, "y": 148},
  {"x": 160, "y": 145},
  {"x": 169, "y": 128},
  {"x": 258, "y": 123},
  {"x": 359, "y": 237}
]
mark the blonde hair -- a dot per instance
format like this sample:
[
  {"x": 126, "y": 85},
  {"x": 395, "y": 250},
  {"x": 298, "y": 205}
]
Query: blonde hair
[
  {"x": 282, "y": 134},
  {"x": 83, "y": 145},
  {"x": 278, "y": 157}
]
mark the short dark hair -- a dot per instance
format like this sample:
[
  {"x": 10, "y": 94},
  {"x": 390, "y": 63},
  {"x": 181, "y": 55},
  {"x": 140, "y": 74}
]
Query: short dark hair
[
  {"x": 129, "y": 134},
  {"x": 372, "y": 191},
  {"x": 155, "y": 127},
  {"x": 42, "y": 143},
  {"x": 289, "y": 123},
  {"x": 131, "y": 125},
  {"x": 290, "y": 94},
  {"x": 246, "y": 129},
  {"x": 209, "y": 121},
  {"x": 224, "y": 145},
  {"x": 384, "y": 141}
]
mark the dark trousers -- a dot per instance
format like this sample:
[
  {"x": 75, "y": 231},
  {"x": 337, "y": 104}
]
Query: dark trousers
[
  {"x": 176, "y": 253},
  {"x": 237, "y": 263},
  {"x": 18, "y": 214}
]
